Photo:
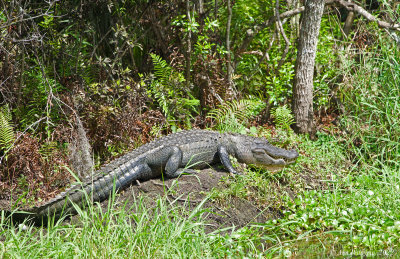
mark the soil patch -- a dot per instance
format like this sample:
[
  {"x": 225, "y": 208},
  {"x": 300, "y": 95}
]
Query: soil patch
[{"x": 190, "y": 191}]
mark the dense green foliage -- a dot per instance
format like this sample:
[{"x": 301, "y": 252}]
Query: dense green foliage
[
  {"x": 234, "y": 116},
  {"x": 6, "y": 128},
  {"x": 374, "y": 105},
  {"x": 168, "y": 90},
  {"x": 133, "y": 70}
]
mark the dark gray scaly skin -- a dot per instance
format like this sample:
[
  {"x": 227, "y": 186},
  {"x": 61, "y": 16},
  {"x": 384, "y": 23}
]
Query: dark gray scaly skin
[{"x": 172, "y": 155}]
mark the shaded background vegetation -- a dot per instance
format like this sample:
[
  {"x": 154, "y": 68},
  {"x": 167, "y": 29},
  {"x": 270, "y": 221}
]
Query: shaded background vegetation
[
  {"x": 94, "y": 79},
  {"x": 132, "y": 70}
]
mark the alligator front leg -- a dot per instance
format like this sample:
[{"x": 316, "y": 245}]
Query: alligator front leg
[{"x": 225, "y": 160}]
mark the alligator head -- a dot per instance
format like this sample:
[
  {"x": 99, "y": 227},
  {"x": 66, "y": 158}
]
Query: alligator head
[{"x": 259, "y": 152}]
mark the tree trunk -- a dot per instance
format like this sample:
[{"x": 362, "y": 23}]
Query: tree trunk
[
  {"x": 230, "y": 93},
  {"x": 348, "y": 23},
  {"x": 295, "y": 20},
  {"x": 228, "y": 44},
  {"x": 215, "y": 9},
  {"x": 303, "y": 81},
  {"x": 189, "y": 46}
]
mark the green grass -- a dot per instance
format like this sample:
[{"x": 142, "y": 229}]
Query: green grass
[{"x": 137, "y": 232}]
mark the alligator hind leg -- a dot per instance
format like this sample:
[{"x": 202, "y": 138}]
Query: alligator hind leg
[
  {"x": 225, "y": 161},
  {"x": 172, "y": 168},
  {"x": 174, "y": 161}
]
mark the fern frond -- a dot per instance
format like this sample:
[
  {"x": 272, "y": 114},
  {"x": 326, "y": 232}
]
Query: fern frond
[
  {"x": 6, "y": 129},
  {"x": 234, "y": 115},
  {"x": 48, "y": 148},
  {"x": 162, "y": 70},
  {"x": 169, "y": 92},
  {"x": 5, "y": 110},
  {"x": 283, "y": 117}
]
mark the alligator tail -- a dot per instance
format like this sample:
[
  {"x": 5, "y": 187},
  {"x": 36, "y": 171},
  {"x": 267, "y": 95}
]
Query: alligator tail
[{"x": 98, "y": 189}]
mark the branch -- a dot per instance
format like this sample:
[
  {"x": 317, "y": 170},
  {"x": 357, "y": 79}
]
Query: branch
[
  {"x": 228, "y": 48},
  {"x": 352, "y": 7},
  {"x": 251, "y": 33}
]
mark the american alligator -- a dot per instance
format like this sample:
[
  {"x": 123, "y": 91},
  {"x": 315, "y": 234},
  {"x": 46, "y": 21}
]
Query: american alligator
[{"x": 170, "y": 156}]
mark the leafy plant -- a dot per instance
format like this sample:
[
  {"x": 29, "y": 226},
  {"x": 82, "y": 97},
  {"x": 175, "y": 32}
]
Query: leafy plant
[
  {"x": 233, "y": 116},
  {"x": 283, "y": 117},
  {"x": 357, "y": 220},
  {"x": 168, "y": 89},
  {"x": 372, "y": 100},
  {"x": 6, "y": 128},
  {"x": 39, "y": 94}
]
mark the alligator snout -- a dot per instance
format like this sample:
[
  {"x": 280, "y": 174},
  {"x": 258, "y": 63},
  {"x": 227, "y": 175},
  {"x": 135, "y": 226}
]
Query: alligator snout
[
  {"x": 289, "y": 156},
  {"x": 292, "y": 156}
]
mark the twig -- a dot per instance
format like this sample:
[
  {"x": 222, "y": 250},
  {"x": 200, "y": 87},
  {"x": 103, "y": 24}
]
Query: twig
[{"x": 282, "y": 31}]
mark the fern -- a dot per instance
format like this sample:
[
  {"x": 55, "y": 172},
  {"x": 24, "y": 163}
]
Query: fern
[
  {"x": 168, "y": 90},
  {"x": 283, "y": 117},
  {"x": 233, "y": 116},
  {"x": 6, "y": 128},
  {"x": 162, "y": 70}
]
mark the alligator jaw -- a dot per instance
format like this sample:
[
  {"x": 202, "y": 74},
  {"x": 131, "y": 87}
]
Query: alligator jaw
[
  {"x": 277, "y": 164},
  {"x": 289, "y": 158}
]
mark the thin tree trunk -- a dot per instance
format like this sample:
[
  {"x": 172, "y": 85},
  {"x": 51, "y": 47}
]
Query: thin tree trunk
[
  {"x": 228, "y": 45},
  {"x": 348, "y": 23},
  {"x": 22, "y": 70},
  {"x": 200, "y": 7},
  {"x": 303, "y": 81},
  {"x": 295, "y": 20},
  {"x": 189, "y": 46},
  {"x": 215, "y": 9}
]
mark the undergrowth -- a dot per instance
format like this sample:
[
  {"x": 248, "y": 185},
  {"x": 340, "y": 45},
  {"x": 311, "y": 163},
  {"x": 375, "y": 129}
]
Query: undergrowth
[
  {"x": 167, "y": 89},
  {"x": 134, "y": 232},
  {"x": 7, "y": 135},
  {"x": 234, "y": 116},
  {"x": 358, "y": 214}
]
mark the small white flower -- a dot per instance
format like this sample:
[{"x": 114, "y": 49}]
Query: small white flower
[
  {"x": 397, "y": 224},
  {"x": 287, "y": 253},
  {"x": 370, "y": 193},
  {"x": 23, "y": 227},
  {"x": 236, "y": 235}
]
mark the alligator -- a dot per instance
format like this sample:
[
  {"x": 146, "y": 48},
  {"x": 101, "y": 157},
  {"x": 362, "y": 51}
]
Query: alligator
[{"x": 168, "y": 156}]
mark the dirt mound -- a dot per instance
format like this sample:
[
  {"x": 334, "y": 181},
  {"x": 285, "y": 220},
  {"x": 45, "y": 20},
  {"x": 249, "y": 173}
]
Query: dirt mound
[{"x": 194, "y": 189}]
